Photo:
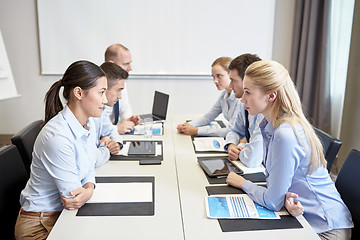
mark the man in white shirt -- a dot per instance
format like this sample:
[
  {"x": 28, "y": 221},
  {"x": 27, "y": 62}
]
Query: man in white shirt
[{"x": 121, "y": 115}]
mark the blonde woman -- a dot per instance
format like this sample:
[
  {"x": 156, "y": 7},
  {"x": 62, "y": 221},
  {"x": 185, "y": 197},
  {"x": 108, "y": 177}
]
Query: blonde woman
[
  {"x": 227, "y": 104},
  {"x": 293, "y": 154}
]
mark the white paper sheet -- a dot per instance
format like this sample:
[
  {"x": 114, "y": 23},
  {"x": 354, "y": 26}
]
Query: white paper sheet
[
  {"x": 122, "y": 192},
  {"x": 209, "y": 144},
  {"x": 124, "y": 151},
  {"x": 246, "y": 170}
]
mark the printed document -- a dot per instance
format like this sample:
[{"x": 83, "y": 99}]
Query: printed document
[
  {"x": 236, "y": 206},
  {"x": 203, "y": 144}
]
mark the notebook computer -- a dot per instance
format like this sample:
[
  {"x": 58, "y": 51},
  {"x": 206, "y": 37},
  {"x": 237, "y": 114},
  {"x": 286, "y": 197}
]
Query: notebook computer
[{"x": 159, "y": 109}]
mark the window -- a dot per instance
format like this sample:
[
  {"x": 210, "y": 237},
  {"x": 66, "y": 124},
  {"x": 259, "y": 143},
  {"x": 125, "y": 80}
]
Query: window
[{"x": 340, "y": 37}]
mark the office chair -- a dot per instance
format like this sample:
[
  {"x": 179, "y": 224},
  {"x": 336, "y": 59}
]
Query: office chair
[
  {"x": 13, "y": 180},
  {"x": 331, "y": 146},
  {"x": 24, "y": 141},
  {"x": 347, "y": 183}
]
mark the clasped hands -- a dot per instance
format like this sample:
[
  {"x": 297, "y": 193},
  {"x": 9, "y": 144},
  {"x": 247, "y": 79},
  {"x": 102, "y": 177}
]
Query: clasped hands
[
  {"x": 187, "y": 129},
  {"x": 113, "y": 146}
]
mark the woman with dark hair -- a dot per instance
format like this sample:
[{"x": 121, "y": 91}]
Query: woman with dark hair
[{"x": 64, "y": 155}]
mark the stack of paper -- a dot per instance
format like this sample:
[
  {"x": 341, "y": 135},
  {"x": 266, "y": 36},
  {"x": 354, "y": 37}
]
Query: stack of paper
[
  {"x": 236, "y": 206},
  {"x": 209, "y": 144}
]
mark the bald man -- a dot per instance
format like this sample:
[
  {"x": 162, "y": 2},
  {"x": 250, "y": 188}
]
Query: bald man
[{"x": 121, "y": 114}]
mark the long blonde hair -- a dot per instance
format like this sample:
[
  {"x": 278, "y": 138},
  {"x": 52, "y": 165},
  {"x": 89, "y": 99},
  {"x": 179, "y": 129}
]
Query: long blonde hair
[{"x": 271, "y": 76}]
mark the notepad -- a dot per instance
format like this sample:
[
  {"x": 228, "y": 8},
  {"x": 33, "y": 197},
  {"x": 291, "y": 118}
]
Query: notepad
[
  {"x": 236, "y": 206},
  {"x": 122, "y": 192}
]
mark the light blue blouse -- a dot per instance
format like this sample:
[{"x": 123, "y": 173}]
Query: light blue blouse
[
  {"x": 287, "y": 165},
  {"x": 228, "y": 105},
  {"x": 63, "y": 160}
]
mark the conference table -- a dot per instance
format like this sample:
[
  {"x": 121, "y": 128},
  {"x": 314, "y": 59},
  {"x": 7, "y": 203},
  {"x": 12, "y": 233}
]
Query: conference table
[{"x": 179, "y": 203}]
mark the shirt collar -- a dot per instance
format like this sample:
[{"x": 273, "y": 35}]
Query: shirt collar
[
  {"x": 267, "y": 127},
  {"x": 232, "y": 95},
  {"x": 73, "y": 123}
]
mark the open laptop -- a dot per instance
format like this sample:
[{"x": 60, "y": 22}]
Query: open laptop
[{"x": 159, "y": 109}]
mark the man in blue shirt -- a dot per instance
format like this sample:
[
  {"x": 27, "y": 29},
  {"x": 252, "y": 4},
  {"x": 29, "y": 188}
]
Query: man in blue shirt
[{"x": 244, "y": 140}]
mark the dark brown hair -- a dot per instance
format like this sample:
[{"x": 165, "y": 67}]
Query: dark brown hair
[
  {"x": 113, "y": 73},
  {"x": 241, "y": 63},
  {"x": 83, "y": 74}
]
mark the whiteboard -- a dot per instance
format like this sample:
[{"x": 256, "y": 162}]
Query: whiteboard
[
  {"x": 7, "y": 84},
  {"x": 165, "y": 37}
]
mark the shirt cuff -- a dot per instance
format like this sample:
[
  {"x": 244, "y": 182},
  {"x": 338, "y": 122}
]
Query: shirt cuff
[{"x": 242, "y": 145}]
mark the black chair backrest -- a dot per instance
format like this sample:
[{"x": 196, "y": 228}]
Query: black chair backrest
[
  {"x": 13, "y": 180},
  {"x": 24, "y": 141},
  {"x": 331, "y": 146},
  {"x": 347, "y": 183}
]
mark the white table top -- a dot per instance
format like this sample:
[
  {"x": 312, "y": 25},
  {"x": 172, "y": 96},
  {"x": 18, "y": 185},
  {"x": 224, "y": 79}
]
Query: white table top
[{"x": 179, "y": 201}]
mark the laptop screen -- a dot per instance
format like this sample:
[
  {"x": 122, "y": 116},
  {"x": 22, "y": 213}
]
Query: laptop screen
[{"x": 160, "y": 104}]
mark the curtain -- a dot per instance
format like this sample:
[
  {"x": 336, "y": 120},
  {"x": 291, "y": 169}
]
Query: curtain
[{"x": 310, "y": 59}]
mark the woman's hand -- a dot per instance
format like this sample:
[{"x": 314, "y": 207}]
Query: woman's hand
[
  {"x": 81, "y": 196},
  {"x": 235, "y": 180},
  {"x": 294, "y": 207},
  {"x": 114, "y": 147}
]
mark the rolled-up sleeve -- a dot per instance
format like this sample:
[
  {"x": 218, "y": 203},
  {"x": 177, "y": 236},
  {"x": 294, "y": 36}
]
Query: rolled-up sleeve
[{"x": 60, "y": 162}]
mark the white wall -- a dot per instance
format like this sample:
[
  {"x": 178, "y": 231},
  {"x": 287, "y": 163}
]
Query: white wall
[{"x": 18, "y": 23}]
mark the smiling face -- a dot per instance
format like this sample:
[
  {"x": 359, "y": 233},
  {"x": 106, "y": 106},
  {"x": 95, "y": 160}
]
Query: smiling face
[
  {"x": 113, "y": 94},
  {"x": 255, "y": 100},
  {"x": 220, "y": 76},
  {"x": 94, "y": 99}
]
